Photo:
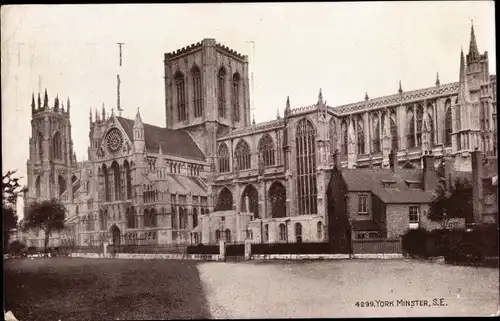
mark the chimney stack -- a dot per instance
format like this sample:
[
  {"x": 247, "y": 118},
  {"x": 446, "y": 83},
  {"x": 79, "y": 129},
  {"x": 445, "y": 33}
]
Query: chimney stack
[
  {"x": 430, "y": 179},
  {"x": 477, "y": 184}
]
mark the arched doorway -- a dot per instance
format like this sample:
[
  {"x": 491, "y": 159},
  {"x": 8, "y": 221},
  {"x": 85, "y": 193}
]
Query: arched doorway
[
  {"x": 225, "y": 200},
  {"x": 298, "y": 232},
  {"x": 250, "y": 200},
  {"x": 116, "y": 235},
  {"x": 277, "y": 196}
]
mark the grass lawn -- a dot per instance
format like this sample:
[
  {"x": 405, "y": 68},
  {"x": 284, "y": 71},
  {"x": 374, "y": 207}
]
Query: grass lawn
[{"x": 103, "y": 289}]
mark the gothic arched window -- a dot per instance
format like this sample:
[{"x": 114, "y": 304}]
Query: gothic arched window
[
  {"x": 343, "y": 127},
  {"x": 128, "y": 178},
  {"x": 236, "y": 97},
  {"x": 146, "y": 218},
  {"x": 448, "y": 125},
  {"x": 411, "y": 130},
  {"x": 298, "y": 232},
  {"x": 225, "y": 200},
  {"x": 305, "y": 144},
  {"x": 221, "y": 92},
  {"x": 223, "y": 154},
  {"x": 115, "y": 168},
  {"x": 62, "y": 185},
  {"x": 266, "y": 149},
  {"x": 420, "y": 115},
  {"x": 361, "y": 136},
  {"x": 40, "y": 146},
  {"x": 174, "y": 218},
  {"x": 195, "y": 217},
  {"x": 394, "y": 132},
  {"x": 38, "y": 189},
  {"x": 376, "y": 135},
  {"x": 242, "y": 154},
  {"x": 332, "y": 136},
  {"x": 130, "y": 218},
  {"x": 57, "y": 146},
  {"x": 107, "y": 193},
  {"x": 180, "y": 86},
  {"x": 197, "y": 92},
  {"x": 457, "y": 117}
]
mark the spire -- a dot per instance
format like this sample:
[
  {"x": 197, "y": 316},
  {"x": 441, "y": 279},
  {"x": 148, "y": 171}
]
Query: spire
[
  {"x": 437, "y": 79},
  {"x": 103, "y": 112},
  {"x": 68, "y": 105},
  {"x": 62, "y": 107},
  {"x": 90, "y": 115},
  {"x": 253, "y": 120},
  {"x": 320, "y": 98},
  {"x": 278, "y": 114},
  {"x": 33, "y": 102},
  {"x": 473, "y": 52},
  {"x": 400, "y": 90},
  {"x": 463, "y": 88},
  {"x": 138, "y": 119},
  {"x": 366, "y": 96},
  {"x": 45, "y": 99},
  {"x": 112, "y": 112},
  {"x": 56, "y": 103},
  {"x": 287, "y": 108},
  {"x": 97, "y": 115},
  {"x": 39, "y": 101}
]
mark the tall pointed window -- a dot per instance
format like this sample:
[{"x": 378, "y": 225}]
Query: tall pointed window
[
  {"x": 266, "y": 149},
  {"x": 38, "y": 190},
  {"x": 394, "y": 133},
  {"x": 457, "y": 117},
  {"x": 221, "y": 92},
  {"x": 376, "y": 134},
  {"x": 343, "y": 127},
  {"x": 62, "y": 185},
  {"x": 57, "y": 146},
  {"x": 40, "y": 146},
  {"x": 180, "y": 86},
  {"x": 115, "y": 168},
  {"x": 410, "y": 142},
  {"x": 243, "y": 155},
  {"x": 197, "y": 102},
  {"x": 332, "y": 136},
  {"x": 448, "y": 126},
  {"x": 361, "y": 136},
  {"x": 236, "y": 97},
  {"x": 223, "y": 154},
  {"x": 305, "y": 144},
  {"x": 107, "y": 189},
  {"x": 420, "y": 115},
  {"x": 128, "y": 178}
]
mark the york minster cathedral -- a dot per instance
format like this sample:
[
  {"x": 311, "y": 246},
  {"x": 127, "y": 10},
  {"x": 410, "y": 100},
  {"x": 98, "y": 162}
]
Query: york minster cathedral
[{"x": 213, "y": 173}]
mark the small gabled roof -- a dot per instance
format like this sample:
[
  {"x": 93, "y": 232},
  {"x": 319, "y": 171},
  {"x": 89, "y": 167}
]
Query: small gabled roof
[
  {"x": 389, "y": 186},
  {"x": 173, "y": 142}
]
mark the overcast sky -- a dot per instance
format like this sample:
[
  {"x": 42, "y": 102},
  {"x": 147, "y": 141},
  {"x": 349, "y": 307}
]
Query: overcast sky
[{"x": 343, "y": 48}]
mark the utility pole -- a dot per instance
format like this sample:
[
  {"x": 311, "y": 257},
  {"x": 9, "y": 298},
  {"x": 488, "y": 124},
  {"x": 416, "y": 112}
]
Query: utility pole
[
  {"x": 120, "y": 44},
  {"x": 252, "y": 107}
]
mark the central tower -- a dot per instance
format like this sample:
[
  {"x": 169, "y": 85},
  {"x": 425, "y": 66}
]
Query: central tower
[{"x": 206, "y": 92}]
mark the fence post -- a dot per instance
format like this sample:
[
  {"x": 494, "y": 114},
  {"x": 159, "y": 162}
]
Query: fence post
[
  {"x": 222, "y": 250},
  {"x": 248, "y": 249}
]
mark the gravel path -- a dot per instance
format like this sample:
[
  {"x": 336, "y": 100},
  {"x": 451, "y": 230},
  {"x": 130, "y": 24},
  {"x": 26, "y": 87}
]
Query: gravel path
[{"x": 331, "y": 289}]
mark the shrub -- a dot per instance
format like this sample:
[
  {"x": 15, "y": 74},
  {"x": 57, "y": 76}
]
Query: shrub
[
  {"x": 16, "y": 247},
  {"x": 414, "y": 242}
]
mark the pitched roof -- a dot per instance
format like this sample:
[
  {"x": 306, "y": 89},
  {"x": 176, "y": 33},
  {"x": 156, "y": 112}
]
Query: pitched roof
[
  {"x": 389, "y": 186},
  {"x": 173, "y": 142}
]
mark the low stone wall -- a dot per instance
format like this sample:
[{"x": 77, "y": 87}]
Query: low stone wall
[
  {"x": 324, "y": 256},
  {"x": 204, "y": 257}
]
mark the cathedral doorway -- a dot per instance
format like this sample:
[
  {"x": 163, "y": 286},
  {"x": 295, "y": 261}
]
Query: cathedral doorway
[
  {"x": 250, "y": 200},
  {"x": 277, "y": 195},
  {"x": 225, "y": 200},
  {"x": 116, "y": 235}
]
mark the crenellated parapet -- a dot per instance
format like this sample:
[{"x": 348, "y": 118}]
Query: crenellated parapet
[
  {"x": 45, "y": 106},
  {"x": 184, "y": 50}
]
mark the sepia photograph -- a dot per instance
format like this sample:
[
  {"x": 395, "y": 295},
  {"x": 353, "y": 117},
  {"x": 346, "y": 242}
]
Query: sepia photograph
[{"x": 249, "y": 160}]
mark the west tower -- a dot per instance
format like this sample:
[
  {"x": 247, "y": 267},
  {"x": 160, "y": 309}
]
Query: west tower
[{"x": 51, "y": 150}]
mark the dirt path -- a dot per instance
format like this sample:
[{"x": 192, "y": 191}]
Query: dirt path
[{"x": 331, "y": 289}]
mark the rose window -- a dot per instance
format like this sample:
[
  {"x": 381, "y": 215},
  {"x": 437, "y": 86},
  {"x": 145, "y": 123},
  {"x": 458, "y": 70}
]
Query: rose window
[{"x": 114, "y": 140}]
